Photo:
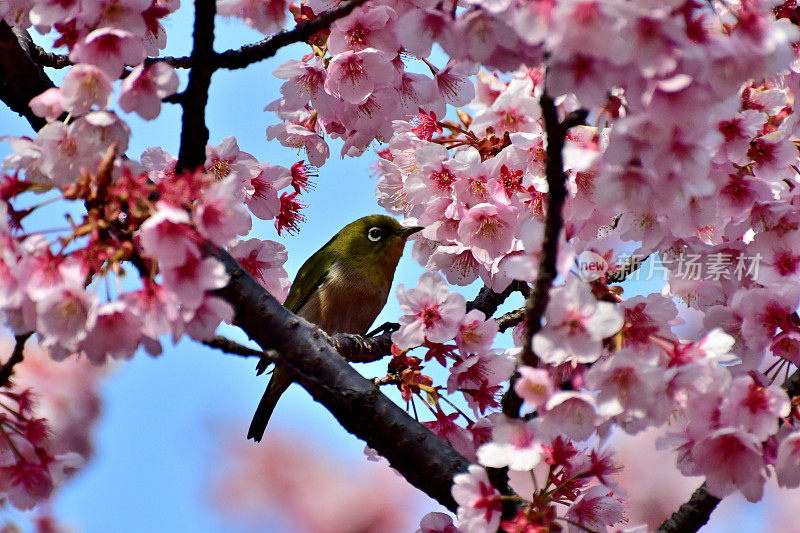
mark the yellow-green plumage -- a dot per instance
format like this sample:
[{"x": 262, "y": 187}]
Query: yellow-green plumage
[{"x": 341, "y": 289}]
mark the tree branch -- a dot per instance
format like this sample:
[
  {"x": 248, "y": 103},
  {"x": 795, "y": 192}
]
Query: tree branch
[
  {"x": 510, "y": 319},
  {"x": 487, "y": 301},
  {"x": 537, "y": 300},
  {"x": 16, "y": 357},
  {"x": 253, "y": 53},
  {"x": 21, "y": 79},
  {"x": 194, "y": 132},
  {"x": 426, "y": 461},
  {"x": 691, "y": 515}
]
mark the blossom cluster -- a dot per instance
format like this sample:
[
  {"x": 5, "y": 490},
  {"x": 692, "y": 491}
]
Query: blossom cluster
[
  {"x": 355, "y": 81},
  {"x": 682, "y": 160},
  {"x": 154, "y": 218},
  {"x": 103, "y": 39},
  {"x": 48, "y": 414}
]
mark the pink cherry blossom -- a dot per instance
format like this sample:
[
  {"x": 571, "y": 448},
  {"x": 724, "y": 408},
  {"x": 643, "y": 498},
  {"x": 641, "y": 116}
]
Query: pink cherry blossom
[
  {"x": 227, "y": 161},
  {"x": 264, "y": 202},
  {"x": 116, "y": 333},
  {"x": 632, "y": 388},
  {"x": 787, "y": 465},
  {"x": 65, "y": 314},
  {"x": 266, "y": 17},
  {"x": 514, "y": 444},
  {"x": 190, "y": 280},
  {"x": 305, "y": 81},
  {"x": 595, "y": 509},
  {"x": 488, "y": 229},
  {"x": 731, "y": 460},
  {"x": 479, "y": 376},
  {"x": 570, "y": 413},
  {"x": 84, "y": 87},
  {"x": 534, "y": 386},
  {"x": 49, "y": 104},
  {"x": 479, "y": 505},
  {"x": 158, "y": 164},
  {"x": 575, "y": 324},
  {"x": 475, "y": 333},
  {"x": 436, "y": 523},
  {"x": 264, "y": 261},
  {"x": 202, "y": 321},
  {"x": 145, "y": 87},
  {"x": 431, "y": 312},
  {"x": 371, "y": 27},
  {"x": 754, "y": 407},
  {"x": 355, "y": 75},
  {"x": 110, "y": 50},
  {"x": 219, "y": 216},
  {"x": 168, "y": 237},
  {"x": 299, "y": 136}
]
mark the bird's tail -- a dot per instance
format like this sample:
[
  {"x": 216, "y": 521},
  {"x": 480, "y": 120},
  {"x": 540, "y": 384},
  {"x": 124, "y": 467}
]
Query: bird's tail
[{"x": 278, "y": 384}]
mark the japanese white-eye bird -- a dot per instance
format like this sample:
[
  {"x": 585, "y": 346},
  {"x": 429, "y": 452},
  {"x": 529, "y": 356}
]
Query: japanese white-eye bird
[{"x": 341, "y": 289}]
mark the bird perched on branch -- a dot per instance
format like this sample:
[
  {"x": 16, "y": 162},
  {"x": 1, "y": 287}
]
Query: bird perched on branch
[{"x": 341, "y": 289}]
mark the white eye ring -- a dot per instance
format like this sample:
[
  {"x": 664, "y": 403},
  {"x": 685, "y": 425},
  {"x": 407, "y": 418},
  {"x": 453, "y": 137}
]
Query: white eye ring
[{"x": 374, "y": 234}]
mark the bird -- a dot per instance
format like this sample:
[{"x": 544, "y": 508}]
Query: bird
[{"x": 341, "y": 289}]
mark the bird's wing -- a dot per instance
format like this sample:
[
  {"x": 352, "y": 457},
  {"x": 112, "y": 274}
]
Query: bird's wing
[{"x": 310, "y": 276}]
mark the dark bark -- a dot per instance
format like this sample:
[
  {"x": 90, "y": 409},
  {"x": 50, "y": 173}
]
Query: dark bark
[
  {"x": 21, "y": 78},
  {"x": 426, "y": 461}
]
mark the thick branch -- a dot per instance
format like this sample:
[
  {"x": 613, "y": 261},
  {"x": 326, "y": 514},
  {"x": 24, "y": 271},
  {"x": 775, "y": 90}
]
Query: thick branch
[
  {"x": 16, "y": 357},
  {"x": 21, "y": 78},
  {"x": 194, "y": 132},
  {"x": 426, "y": 461}
]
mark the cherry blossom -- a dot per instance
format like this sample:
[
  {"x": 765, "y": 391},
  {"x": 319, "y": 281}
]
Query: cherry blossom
[
  {"x": 143, "y": 90},
  {"x": 479, "y": 505},
  {"x": 514, "y": 444},
  {"x": 575, "y": 325},
  {"x": 110, "y": 50},
  {"x": 431, "y": 312}
]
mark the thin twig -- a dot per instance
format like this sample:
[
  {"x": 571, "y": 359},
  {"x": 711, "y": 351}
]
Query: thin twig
[
  {"x": 487, "y": 301},
  {"x": 537, "y": 300},
  {"x": 229, "y": 346},
  {"x": 269, "y": 46}
]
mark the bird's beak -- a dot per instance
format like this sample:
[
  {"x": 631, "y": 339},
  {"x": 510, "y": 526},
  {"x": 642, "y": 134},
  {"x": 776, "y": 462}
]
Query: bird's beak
[{"x": 408, "y": 232}]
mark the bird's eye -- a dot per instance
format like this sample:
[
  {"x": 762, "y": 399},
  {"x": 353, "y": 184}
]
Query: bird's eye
[{"x": 374, "y": 234}]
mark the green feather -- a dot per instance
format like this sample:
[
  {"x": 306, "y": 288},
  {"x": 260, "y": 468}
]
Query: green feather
[{"x": 310, "y": 276}]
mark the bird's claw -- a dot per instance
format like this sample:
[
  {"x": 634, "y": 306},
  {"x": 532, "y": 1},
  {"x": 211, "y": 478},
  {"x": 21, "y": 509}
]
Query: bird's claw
[
  {"x": 267, "y": 358},
  {"x": 386, "y": 327}
]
